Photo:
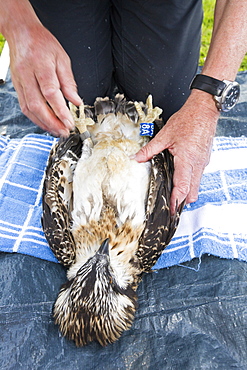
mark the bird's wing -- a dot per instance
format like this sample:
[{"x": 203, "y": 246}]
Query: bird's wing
[
  {"x": 160, "y": 226},
  {"x": 57, "y": 197}
]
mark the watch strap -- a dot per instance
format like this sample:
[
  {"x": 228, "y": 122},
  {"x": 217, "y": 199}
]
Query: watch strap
[{"x": 209, "y": 84}]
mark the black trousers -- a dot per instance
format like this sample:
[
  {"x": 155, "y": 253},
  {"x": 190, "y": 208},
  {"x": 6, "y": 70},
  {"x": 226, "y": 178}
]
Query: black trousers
[{"x": 141, "y": 46}]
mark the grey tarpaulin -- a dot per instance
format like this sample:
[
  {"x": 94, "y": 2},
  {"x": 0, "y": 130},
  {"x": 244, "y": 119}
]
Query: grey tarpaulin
[{"x": 188, "y": 318}]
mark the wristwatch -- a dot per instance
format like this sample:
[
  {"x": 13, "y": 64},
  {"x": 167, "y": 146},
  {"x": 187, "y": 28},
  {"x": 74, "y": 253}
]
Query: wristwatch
[{"x": 225, "y": 93}]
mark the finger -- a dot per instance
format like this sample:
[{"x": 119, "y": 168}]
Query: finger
[
  {"x": 197, "y": 174},
  {"x": 155, "y": 146},
  {"x": 67, "y": 83},
  {"x": 195, "y": 185},
  {"x": 181, "y": 182},
  {"x": 50, "y": 89},
  {"x": 23, "y": 105},
  {"x": 34, "y": 106}
]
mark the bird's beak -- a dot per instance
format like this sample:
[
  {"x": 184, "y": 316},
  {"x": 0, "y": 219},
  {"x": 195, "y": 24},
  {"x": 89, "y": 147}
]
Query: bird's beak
[{"x": 104, "y": 248}]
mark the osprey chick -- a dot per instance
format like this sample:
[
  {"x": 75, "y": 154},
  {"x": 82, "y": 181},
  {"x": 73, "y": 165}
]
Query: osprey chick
[{"x": 106, "y": 217}]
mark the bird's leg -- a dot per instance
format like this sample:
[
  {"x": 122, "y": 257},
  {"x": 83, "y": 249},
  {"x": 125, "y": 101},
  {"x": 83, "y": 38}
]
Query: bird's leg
[
  {"x": 81, "y": 121},
  {"x": 140, "y": 112},
  {"x": 146, "y": 119},
  {"x": 152, "y": 113}
]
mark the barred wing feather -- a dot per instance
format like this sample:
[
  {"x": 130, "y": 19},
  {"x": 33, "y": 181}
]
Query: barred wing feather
[
  {"x": 58, "y": 196},
  {"x": 160, "y": 225}
]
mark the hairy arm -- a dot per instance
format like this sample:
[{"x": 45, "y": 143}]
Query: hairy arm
[
  {"x": 40, "y": 68},
  {"x": 188, "y": 134}
]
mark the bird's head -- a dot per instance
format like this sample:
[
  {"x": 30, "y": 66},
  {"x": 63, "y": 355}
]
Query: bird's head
[{"x": 92, "y": 305}]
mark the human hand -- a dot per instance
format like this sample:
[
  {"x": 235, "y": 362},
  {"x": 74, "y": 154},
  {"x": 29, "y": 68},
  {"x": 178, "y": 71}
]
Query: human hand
[
  {"x": 188, "y": 135},
  {"x": 42, "y": 76}
]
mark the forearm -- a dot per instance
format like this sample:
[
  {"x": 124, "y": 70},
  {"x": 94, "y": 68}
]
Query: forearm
[
  {"x": 227, "y": 49},
  {"x": 17, "y": 18},
  {"x": 229, "y": 40}
]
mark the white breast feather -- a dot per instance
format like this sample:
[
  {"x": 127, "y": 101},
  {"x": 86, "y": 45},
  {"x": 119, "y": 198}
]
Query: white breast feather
[{"x": 119, "y": 178}]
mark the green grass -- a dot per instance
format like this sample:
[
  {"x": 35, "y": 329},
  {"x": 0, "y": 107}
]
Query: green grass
[
  {"x": 1, "y": 42},
  {"x": 207, "y": 26}
]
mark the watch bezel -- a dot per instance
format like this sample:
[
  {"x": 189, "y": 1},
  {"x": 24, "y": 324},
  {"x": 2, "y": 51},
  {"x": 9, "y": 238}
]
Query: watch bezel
[{"x": 220, "y": 100}]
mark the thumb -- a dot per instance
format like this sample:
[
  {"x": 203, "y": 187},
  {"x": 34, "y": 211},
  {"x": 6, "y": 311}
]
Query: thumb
[{"x": 155, "y": 146}]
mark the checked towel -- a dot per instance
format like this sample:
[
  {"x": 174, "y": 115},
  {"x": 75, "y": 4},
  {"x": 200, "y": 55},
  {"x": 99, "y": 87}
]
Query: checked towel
[{"x": 215, "y": 224}]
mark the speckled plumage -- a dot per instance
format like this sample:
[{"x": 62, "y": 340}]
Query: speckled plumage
[{"x": 106, "y": 217}]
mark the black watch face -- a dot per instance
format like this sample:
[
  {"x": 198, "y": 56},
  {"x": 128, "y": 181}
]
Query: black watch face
[{"x": 230, "y": 98}]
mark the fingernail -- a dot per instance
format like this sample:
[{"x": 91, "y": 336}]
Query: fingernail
[
  {"x": 70, "y": 125},
  {"x": 133, "y": 156},
  {"x": 76, "y": 97},
  {"x": 63, "y": 133}
]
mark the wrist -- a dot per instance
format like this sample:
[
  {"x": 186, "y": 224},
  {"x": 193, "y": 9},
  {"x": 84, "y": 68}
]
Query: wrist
[
  {"x": 225, "y": 93},
  {"x": 204, "y": 100}
]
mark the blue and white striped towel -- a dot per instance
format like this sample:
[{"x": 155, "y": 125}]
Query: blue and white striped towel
[{"x": 216, "y": 224}]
